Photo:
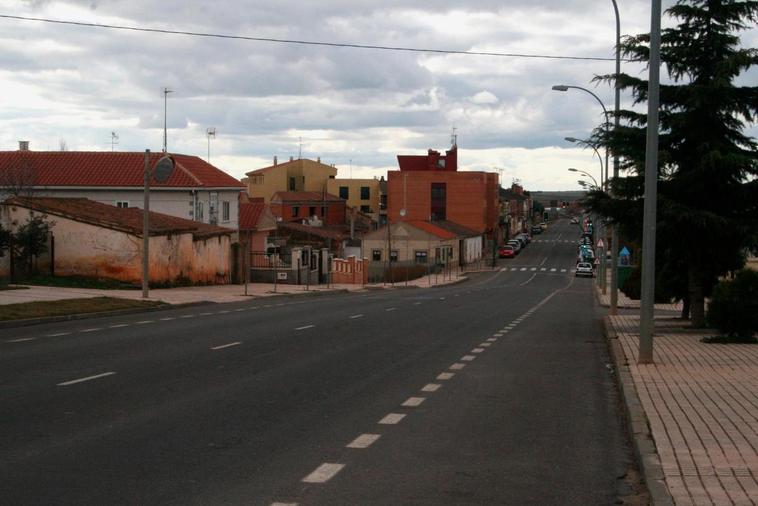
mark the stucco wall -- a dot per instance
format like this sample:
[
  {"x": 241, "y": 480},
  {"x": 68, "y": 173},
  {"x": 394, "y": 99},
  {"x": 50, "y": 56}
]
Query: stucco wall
[{"x": 88, "y": 250}]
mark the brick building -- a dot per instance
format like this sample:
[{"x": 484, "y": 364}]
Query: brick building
[
  {"x": 430, "y": 188},
  {"x": 298, "y": 206}
]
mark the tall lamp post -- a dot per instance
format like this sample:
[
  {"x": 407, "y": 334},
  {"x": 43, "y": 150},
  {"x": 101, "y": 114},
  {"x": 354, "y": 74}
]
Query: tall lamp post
[
  {"x": 613, "y": 309},
  {"x": 601, "y": 277}
]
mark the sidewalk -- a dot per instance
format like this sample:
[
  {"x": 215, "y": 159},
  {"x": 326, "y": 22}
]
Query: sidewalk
[
  {"x": 214, "y": 293},
  {"x": 699, "y": 404}
]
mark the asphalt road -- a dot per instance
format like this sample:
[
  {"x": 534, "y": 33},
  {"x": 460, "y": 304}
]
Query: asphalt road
[{"x": 492, "y": 391}]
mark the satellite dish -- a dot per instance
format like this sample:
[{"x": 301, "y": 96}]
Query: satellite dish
[
  {"x": 163, "y": 169},
  {"x": 402, "y": 212}
]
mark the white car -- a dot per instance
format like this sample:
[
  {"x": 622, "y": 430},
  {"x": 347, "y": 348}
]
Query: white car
[{"x": 584, "y": 269}]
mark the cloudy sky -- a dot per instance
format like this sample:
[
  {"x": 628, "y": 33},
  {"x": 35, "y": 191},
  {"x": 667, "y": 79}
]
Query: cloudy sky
[{"x": 355, "y": 108}]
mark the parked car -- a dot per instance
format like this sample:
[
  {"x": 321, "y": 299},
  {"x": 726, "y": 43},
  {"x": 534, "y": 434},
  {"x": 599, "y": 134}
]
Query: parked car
[
  {"x": 536, "y": 229},
  {"x": 584, "y": 269},
  {"x": 543, "y": 225},
  {"x": 574, "y": 221},
  {"x": 521, "y": 239},
  {"x": 506, "y": 252},
  {"x": 525, "y": 236},
  {"x": 516, "y": 245}
]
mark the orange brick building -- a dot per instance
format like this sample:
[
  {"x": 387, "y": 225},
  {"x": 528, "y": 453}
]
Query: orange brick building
[{"x": 430, "y": 188}]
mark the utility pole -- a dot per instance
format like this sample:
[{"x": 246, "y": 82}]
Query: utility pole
[{"x": 166, "y": 91}]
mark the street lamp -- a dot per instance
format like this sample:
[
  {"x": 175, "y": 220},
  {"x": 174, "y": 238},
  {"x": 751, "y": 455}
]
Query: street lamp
[
  {"x": 571, "y": 169},
  {"x": 588, "y": 143}
]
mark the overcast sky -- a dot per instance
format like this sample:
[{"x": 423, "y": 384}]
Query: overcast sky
[{"x": 354, "y": 108}]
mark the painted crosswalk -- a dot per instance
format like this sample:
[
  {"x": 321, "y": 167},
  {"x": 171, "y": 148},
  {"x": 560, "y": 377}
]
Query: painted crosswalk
[{"x": 537, "y": 269}]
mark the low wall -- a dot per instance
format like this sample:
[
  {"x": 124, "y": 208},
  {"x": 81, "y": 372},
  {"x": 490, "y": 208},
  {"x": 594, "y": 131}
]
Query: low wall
[{"x": 350, "y": 271}]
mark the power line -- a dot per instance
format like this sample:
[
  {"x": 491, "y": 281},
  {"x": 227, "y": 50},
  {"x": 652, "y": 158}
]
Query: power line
[{"x": 303, "y": 42}]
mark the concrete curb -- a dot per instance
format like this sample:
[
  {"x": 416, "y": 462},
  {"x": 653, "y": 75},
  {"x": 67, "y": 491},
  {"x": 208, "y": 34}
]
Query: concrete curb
[{"x": 644, "y": 447}]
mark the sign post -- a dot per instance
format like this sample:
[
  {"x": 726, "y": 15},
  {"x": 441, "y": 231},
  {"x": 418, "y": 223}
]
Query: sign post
[{"x": 161, "y": 172}]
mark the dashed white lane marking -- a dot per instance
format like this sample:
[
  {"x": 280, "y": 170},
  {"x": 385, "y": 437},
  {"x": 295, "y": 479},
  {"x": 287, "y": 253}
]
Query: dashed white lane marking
[
  {"x": 254, "y": 307},
  {"x": 94, "y": 329},
  {"x": 323, "y": 473},
  {"x": 444, "y": 376},
  {"x": 457, "y": 366},
  {"x": 498, "y": 334},
  {"x": 533, "y": 269},
  {"x": 363, "y": 441},
  {"x": 305, "y": 327},
  {"x": 485, "y": 345},
  {"x": 57, "y": 334},
  {"x": 412, "y": 402},
  {"x": 88, "y": 378},
  {"x": 205, "y": 314},
  {"x": 477, "y": 350},
  {"x": 165, "y": 319},
  {"x": 543, "y": 269},
  {"x": 431, "y": 387},
  {"x": 222, "y": 312},
  {"x": 523, "y": 268},
  {"x": 390, "y": 309},
  {"x": 442, "y": 298},
  {"x": 552, "y": 269},
  {"x": 492, "y": 339},
  {"x": 416, "y": 303},
  {"x": 563, "y": 270},
  {"x": 187, "y": 316},
  {"x": 392, "y": 419},
  {"x": 353, "y": 317},
  {"x": 283, "y": 504},
  {"x": 226, "y": 345},
  {"x": 468, "y": 358},
  {"x": 21, "y": 340},
  {"x": 281, "y": 304},
  {"x": 267, "y": 305},
  {"x": 144, "y": 322},
  {"x": 240, "y": 309}
]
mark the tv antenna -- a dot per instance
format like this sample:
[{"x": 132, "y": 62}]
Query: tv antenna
[
  {"x": 300, "y": 149},
  {"x": 114, "y": 140},
  {"x": 166, "y": 91},
  {"x": 454, "y": 137},
  {"x": 210, "y": 133}
]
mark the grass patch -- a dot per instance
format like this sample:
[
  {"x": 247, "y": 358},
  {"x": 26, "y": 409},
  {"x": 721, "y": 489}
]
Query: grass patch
[
  {"x": 41, "y": 309},
  {"x": 80, "y": 282}
]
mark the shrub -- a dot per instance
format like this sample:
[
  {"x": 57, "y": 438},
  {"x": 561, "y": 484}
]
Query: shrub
[
  {"x": 734, "y": 307},
  {"x": 632, "y": 287}
]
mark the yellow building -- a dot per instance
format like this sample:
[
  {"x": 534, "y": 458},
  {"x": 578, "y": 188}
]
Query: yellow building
[
  {"x": 362, "y": 194},
  {"x": 293, "y": 176}
]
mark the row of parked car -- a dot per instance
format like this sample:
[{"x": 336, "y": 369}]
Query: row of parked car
[{"x": 514, "y": 246}]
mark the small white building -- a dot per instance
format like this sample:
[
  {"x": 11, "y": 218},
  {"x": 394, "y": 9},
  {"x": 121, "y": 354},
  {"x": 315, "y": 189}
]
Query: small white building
[{"x": 195, "y": 191}]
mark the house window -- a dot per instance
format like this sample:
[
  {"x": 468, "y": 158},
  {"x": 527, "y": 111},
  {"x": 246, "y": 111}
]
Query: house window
[
  {"x": 122, "y": 203},
  {"x": 344, "y": 192},
  {"x": 393, "y": 255},
  {"x": 365, "y": 193},
  {"x": 295, "y": 211},
  {"x": 439, "y": 201},
  {"x": 225, "y": 210},
  {"x": 421, "y": 256},
  {"x": 366, "y": 209},
  {"x": 256, "y": 179},
  {"x": 292, "y": 184},
  {"x": 376, "y": 255},
  {"x": 312, "y": 211}
]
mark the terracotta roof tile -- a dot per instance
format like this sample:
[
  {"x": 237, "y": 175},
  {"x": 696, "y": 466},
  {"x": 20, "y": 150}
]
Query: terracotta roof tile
[
  {"x": 127, "y": 220},
  {"x": 432, "y": 229},
  {"x": 107, "y": 168},
  {"x": 250, "y": 213}
]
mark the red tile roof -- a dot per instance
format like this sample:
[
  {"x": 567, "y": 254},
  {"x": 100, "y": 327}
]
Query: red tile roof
[
  {"x": 304, "y": 197},
  {"x": 323, "y": 232},
  {"x": 250, "y": 213},
  {"x": 127, "y": 220},
  {"x": 432, "y": 229},
  {"x": 108, "y": 168}
]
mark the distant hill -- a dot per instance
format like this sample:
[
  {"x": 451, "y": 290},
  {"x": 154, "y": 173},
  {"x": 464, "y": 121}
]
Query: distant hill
[{"x": 545, "y": 197}]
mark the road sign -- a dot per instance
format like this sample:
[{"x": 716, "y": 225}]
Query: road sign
[{"x": 600, "y": 243}]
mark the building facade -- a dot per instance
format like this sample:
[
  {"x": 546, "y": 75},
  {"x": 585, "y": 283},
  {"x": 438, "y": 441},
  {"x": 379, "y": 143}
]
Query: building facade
[{"x": 301, "y": 175}]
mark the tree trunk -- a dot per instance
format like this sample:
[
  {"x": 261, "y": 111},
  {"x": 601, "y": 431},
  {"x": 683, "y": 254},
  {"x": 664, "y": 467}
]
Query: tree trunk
[
  {"x": 685, "y": 307},
  {"x": 697, "y": 299}
]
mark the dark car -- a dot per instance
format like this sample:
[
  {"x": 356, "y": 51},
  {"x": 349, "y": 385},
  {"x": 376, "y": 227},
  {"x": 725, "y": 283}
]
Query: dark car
[
  {"x": 506, "y": 252},
  {"x": 536, "y": 229}
]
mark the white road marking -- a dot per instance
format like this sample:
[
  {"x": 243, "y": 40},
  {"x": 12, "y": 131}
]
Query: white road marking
[
  {"x": 514, "y": 269},
  {"x": 492, "y": 339},
  {"x": 442, "y": 298},
  {"x": 143, "y": 322},
  {"x": 563, "y": 270},
  {"x": 468, "y": 358},
  {"x": 119, "y": 325},
  {"x": 323, "y": 473},
  {"x": 21, "y": 340},
  {"x": 226, "y": 345},
  {"x": 305, "y": 327},
  {"x": 94, "y": 329},
  {"x": 412, "y": 402},
  {"x": 353, "y": 317},
  {"x": 205, "y": 314},
  {"x": 363, "y": 441},
  {"x": 543, "y": 261},
  {"x": 254, "y": 307},
  {"x": 88, "y": 378},
  {"x": 543, "y": 269},
  {"x": 444, "y": 376},
  {"x": 498, "y": 334},
  {"x": 240, "y": 309},
  {"x": 457, "y": 366},
  {"x": 187, "y": 316},
  {"x": 552, "y": 269},
  {"x": 477, "y": 350},
  {"x": 165, "y": 319},
  {"x": 416, "y": 303},
  {"x": 523, "y": 268},
  {"x": 528, "y": 280},
  {"x": 390, "y": 309},
  {"x": 222, "y": 312},
  {"x": 533, "y": 269},
  {"x": 392, "y": 419},
  {"x": 431, "y": 387},
  {"x": 485, "y": 345},
  {"x": 283, "y": 504},
  {"x": 267, "y": 305},
  {"x": 57, "y": 334}
]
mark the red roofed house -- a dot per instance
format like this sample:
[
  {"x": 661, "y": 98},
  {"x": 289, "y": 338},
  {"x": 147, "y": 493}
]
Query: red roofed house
[
  {"x": 298, "y": 206},
  {"x": 100, "y": 240},
  {"x": 256, "y": 222},
  {"x": 415, "y": 242},
  {"x": 195, "y": 191}
]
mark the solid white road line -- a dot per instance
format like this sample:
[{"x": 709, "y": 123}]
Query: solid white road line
[
  {"x": 431, "y": 387},
  {"x": 457, "y": 366},
  {"x": 412, "y": 402},
  {"x": 390, "y": 309},
  {"x": 444, "y": 376},
  {"x": 21, "y": 340},
  {"x": 305, "y": 327},
  {"x": 58, "y": 334},
  {"x": 528, "y": 280},
  {"x": 468, "y": 358},
  {"x": 324, "y": 473},
  {"x": 88, "y": 378},
  {"x": 226, "y": 345},
  {"x": 119, "y": 325},
  {"x": 477, "y": 350},
  {"x": 95, "y": 329},
  {"x": 353, "y": 317},
  {"x": 283, "y": 504},
  {"x": 363, "y": 441},
  {"x": 392, "y": 419},
  {"x": 143, "y": 322}
]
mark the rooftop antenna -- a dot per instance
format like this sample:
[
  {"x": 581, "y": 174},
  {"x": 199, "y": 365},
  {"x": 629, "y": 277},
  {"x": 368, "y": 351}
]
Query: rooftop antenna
[
  {"x": 166, "y": 91},
  {"x": 300, "y": 149},
  {"x": 114, "y": 140},
  {"x": 210, "y": 132},
  {"x": 454, "y": 137}
]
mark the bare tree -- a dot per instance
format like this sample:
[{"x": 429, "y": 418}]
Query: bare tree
[{"x": 17, "y": 179}]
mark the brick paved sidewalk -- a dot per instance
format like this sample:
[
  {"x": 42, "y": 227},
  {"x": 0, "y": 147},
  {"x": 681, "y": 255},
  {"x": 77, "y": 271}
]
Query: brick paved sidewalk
[{"x": 701, "y": 403}]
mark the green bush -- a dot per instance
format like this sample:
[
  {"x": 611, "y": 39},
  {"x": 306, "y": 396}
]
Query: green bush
[
  {"x": 632, "y": 287},
  {"x": 734, "y": 307}
]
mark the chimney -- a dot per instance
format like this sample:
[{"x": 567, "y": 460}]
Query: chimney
[
  {"x": 23, "y": 145},
  {"x": 292, "y": 158},
  {"x": 275, "y": 161},
  {"x": 318, "y": 159}
]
